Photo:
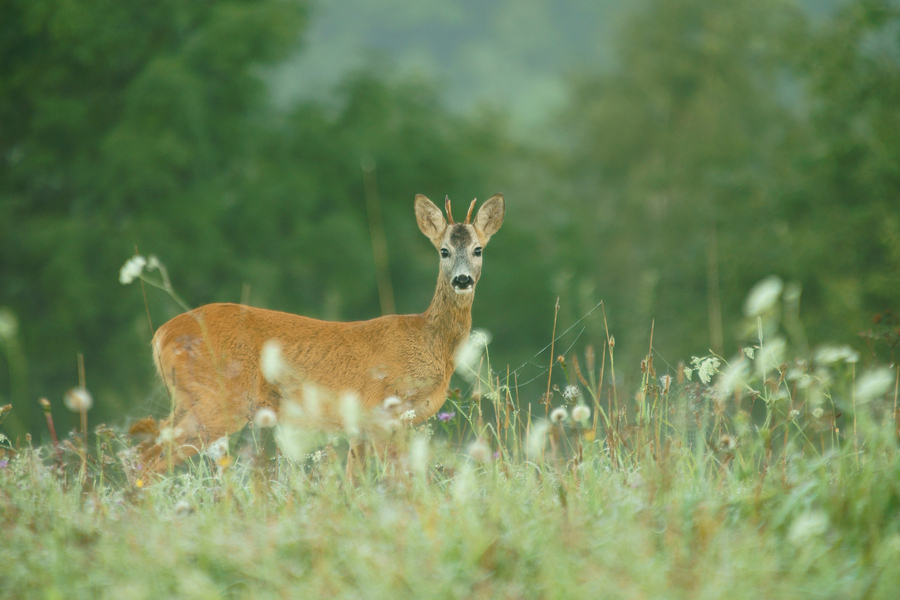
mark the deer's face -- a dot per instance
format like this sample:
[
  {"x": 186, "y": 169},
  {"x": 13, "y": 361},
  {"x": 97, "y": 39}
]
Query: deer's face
[
  {"x": 460, "y": 251},
  {"x": 460, "y": 244}
]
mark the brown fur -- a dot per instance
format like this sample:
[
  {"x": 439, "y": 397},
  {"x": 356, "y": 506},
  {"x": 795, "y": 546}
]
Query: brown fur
[{"x": 209, "y": 358}]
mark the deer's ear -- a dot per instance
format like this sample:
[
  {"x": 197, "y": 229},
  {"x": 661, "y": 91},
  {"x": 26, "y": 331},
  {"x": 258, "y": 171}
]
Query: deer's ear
[
  {"x": 430, "y": 219},
  {"x": 490, "y": 216}
]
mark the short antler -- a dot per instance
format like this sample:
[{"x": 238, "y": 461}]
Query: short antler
[
  {"x": 469, "y": 214},
  {"x": 450, "y": 220}
]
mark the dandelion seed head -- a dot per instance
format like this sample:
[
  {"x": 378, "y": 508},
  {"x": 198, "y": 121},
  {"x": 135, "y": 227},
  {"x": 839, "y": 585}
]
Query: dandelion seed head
[
  {"x": 818, "y": 412},
  {"x": 581, "y": 413},
  {"x": 265, "y": 418},
  {"x": 559, "y": 414},
  {"x": 727, "y": 442},
  {"x": 182, "y": 508},
  {"x": 571, "y": 393},
  {"x": 874, "y": 384},
  {"x": 218, "y": 449},
  {"x": 479, "y": 451},
  {"x": 78, "y": 400}
]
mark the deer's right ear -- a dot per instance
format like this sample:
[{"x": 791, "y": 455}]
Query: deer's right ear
[{"x": 430, "y": 219}]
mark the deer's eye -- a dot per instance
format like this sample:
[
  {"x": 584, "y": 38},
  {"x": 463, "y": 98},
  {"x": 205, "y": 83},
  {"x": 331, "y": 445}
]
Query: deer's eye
[
  {"x": 445, "y": 253},
  {"x": 478, "y": 251}
]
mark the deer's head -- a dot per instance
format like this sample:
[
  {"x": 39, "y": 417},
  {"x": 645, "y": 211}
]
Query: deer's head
[{"x": 460, "y": 244}]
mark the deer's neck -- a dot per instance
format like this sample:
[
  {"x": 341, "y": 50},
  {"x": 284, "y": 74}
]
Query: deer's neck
[{"x": 448, "y": 319}]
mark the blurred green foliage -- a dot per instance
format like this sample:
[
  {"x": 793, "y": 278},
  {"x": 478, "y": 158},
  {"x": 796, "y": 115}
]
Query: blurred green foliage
[{"x": 732, "y": 141}]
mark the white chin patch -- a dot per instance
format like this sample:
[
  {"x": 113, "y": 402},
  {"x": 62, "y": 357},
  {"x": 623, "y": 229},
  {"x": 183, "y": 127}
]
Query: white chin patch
[{"x": 464, "y": 291}]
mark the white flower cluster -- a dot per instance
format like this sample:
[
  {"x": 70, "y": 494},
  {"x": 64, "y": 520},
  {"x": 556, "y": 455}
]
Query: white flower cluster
[
  {"x": 705, "y": 367},
  {"x": 135, "y": 266}
]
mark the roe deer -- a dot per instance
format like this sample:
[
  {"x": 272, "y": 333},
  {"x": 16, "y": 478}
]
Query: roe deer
[{"x": 210, "y": 357}]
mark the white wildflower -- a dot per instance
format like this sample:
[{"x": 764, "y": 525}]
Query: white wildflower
[
  {"x": 571, "y": 393},
  {"x": 749, "y": 351},
  {"x": 271, "y": 361},
  {"x": 418, "y": 454},
  {"x": 536, "y": 438},
  {"x": 818, "y": 412},
  {"x": 706, "y": 367},
  {"x": 559, "y": 414},
  {"x": 734, "y": 377},
  {"x": 807, "y": 526},
  {"x": 132, "y": 269},
  {"x": 581, "y": 413},
  {"x": 408, "y": 416},
  {"x": 479, "y": 451},
  {"x": 771, "y": 355},
  {"x": 350, "y": 413},
  {"x": 793, "y": 414},
  {"x": 470, "y": 352},
  {"x": 688, "y": 373},
  {"x": 825, "y": 355},
  {"x": 153, "y": 263},
  {"x": 265, "y": 418},
  {"x": 874, "y": 384},
  {"x": 763, "y": 296},
  {"x": 78, "y": 400},
  {"x": 463, "y": 483}
]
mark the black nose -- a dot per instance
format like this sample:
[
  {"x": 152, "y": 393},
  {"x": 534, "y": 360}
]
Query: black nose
[{"x": 462, "y": 281}]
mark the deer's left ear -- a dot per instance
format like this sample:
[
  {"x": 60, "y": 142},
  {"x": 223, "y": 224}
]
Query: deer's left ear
[{"x": 490, "y": 217}]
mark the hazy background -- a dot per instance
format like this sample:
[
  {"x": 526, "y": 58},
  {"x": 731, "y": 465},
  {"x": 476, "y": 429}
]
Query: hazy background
[{"x": 661, "y": 156}]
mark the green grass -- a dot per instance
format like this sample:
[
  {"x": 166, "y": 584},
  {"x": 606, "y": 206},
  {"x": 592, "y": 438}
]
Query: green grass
[{"x": 776, "y": 480}]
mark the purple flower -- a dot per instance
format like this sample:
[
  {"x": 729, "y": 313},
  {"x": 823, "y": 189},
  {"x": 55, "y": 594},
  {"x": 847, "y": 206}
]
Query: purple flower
[
  {"x": 446, "y": 416},
  {"x": 3, "y": 463}
]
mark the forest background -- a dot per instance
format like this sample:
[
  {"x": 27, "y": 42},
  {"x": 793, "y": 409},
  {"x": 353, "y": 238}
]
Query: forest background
[{"x": 661, "y": 156}]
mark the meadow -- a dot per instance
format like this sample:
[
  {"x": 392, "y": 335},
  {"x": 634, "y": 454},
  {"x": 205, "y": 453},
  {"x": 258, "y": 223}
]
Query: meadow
[{"x": 763, "y": 476}]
